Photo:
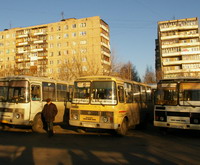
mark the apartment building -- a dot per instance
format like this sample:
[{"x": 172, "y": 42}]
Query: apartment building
[
  {"x": 70, "y": 47},
  {"x": 178, "y": 48}
]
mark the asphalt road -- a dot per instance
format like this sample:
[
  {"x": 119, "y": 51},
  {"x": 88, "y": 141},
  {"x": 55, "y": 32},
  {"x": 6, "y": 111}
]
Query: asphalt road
[{"x": 69, "y": 147}]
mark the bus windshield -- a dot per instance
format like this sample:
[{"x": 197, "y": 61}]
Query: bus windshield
[
  {"x": 190, "y": 94},
  {"x": 14, "y": 91},
  {"x": 3, "y": 91},
  {"x": 81, "y": 92},
  {"x": 166, "y": 94},
  {"x": 103, "y": 92}
]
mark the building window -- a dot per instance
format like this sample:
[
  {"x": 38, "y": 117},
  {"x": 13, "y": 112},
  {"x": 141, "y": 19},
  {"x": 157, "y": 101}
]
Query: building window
[
  {"x": 58, "y": 28},
  {"x": 58, "y": 36},
  {"x": 74, "y": 43},
  {"x": 74, "y": 34},
  {"x": 73, "y": 51},
  {"x": 50, "y": 37},
  {"x": 59, "y": 53},
  {"x": 66, "y": 27},
  {"x": 83, "y": 42},
  {"x": 83, "y": 50},
  {"x": 51, "y": 62},
  {"x": 65, "y": 52},
  {"x": 84, "y": 68},
  {"x": 58, "y": 62},
  {"x": 66, "y": 35},
  {"x": 83, "y": 33},
  {"x": 74, "y": 26},
  {"x": 82, "y": 24},
  {"x": 7, "y": 51},
  {"x": 58, "y": 45},
  {"x": 51, "y": 45},
  {"x": 84, "y": 59},
  {"x": 51, "y": 54}
]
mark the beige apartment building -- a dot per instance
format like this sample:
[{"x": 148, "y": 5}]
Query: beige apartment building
[
  {"x": 69, "y": 48},
  {"x": 178, "y": 48}
]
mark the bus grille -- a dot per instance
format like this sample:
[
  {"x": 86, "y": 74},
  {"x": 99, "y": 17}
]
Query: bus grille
[{"x": 93, "y": 113}]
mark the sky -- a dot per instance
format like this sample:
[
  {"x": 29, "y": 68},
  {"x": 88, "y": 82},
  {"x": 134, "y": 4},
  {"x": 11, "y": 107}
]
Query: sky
[{"x": 133, "y": 23}]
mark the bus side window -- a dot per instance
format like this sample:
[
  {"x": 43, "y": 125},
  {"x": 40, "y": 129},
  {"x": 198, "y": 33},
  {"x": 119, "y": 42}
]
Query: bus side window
[
  {"x": 136, "y": 93},
  {"x": 61, "y": 92},
  {"x": 121, "y": 94},
  {"x": 35, "y": 92},
  {"x": 143, "y": 94},
  {"x": 128, "y": 92},
  {"x": 49, "y": 91}
]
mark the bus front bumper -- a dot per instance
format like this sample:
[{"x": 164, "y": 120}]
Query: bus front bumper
[
  {"x": 93, "y": 124},
  {"x": 177, "y": 125}
]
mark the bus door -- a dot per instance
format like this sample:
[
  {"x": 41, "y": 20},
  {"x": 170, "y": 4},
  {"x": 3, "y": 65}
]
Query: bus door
[{"x": 36, "y": 100}]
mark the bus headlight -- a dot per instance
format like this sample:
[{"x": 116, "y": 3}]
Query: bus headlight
[
  {"x": 107, "y": 117},
  {"x": 74, "y": 115},
  {"x": 17, "y": 116},
  {"x": 196, "y": 121}
]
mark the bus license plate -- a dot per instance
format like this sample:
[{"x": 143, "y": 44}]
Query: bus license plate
[
  {"x": 90, "y": 125},
  {"x": 89, "y": 118}
]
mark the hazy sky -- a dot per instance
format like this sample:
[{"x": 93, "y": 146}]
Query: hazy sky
[{"x": 133, "y": 23}]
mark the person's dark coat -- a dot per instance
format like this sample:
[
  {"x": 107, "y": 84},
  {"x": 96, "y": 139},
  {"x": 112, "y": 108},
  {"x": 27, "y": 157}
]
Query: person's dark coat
[{"x": 49, "y": 112}]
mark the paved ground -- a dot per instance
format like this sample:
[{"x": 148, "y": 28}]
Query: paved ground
[{"x": 70, "y": 147}]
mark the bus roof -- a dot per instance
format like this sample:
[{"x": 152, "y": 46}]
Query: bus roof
[
  {"x": 106, "y": 78},
  {"x": 32, "y": 78}
]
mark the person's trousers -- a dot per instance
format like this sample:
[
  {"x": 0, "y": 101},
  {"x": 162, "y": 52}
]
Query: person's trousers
[{"x": 50, "y": 128}]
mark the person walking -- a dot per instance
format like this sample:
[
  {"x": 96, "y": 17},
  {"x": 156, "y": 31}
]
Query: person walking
[{"x": 49, "y": 112}]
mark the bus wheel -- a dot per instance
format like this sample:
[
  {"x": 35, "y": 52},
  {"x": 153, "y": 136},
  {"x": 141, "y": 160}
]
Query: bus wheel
[
  {"x": 38, "y": 124},
  {"x": 123, "y": 129}
]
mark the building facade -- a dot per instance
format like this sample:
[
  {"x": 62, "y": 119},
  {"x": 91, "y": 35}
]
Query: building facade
[
  {"x": 178, "y": 48},
  {"x": 72, "y": 47}
]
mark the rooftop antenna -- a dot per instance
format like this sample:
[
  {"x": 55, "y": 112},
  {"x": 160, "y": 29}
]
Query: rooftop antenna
[
  {"x": 62, "y": 15},
  {"x": 10, "y": 24}
]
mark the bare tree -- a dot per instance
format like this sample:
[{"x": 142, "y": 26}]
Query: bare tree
[
  {"x": 77, "y": 66},
  {"x": 159, "y": 74},
  {"x": 128, "y": 71},
  {"x": 115, "y": 65},
  {"x": 7, "y": 71},
  {"x": 149, "y": 76}
]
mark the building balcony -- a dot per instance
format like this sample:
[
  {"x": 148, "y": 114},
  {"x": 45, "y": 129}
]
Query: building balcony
[
  {"x": 22, "y": 36},
  {"x": 104, "y": 28},
  {"x": 181, "y": 44},
  {"x": 105, "y": 45},
  {"x": 38, "y": 50},
  {"x": 106, "y": 62},
  {"x": 19, "y": 60},
  {"x": 180, "y": 36},
  {"x": 180, "y": 53},
  {"x": 39, "y": 33},
  {"x": 106, "y": 37},
  {"x": 39, "y": 41},
  {"x": 181, "y": 62},
  {"x": 21, "y": 51},
  {"x": 172, "y": 28},
  {"x": 182, "y": 71},
  {"x": 22, "y": 43},
  {"x": 105, "y": 53}
]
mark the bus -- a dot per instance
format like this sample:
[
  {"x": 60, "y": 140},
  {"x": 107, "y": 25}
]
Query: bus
[
  {"x": 22, "y": 99},
  {"x": 106, "y": 102},
  {"x": 177, "y": 104}
]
